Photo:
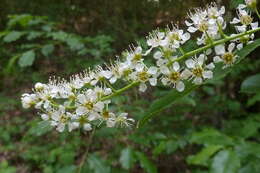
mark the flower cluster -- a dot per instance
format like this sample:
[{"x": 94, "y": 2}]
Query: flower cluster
[{"x": 83, "y": 101}]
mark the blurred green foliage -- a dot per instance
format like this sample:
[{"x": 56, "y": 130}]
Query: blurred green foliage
[{"x": 212, "y": 130}]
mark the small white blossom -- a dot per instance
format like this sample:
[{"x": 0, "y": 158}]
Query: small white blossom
[
  {"x": 198, "y": 70},
  {"x": 144, "y": 74},
  {"x": 227, "y": 57},
  {"x": 173, "y": 76}
]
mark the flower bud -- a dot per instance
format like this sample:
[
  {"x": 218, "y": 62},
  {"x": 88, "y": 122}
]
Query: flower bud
[
  {"x": 39, "y": 86},
  {"x": 251, "y": 3}
]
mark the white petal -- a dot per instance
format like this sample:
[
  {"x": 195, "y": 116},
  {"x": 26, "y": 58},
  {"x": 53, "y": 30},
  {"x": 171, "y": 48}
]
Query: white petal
[
  {"x": 152, "y": 70},
  {"x": 113, "y": 80},
  {"x": 220, "y": 49},
  {"x": 188, "y": 23},
  {"x": 176, "y": 66},
  {"x": 165, "y": 81},
  {"x": 201, "y": 59},
  {"x": 138, "y": 50},
  {"x": 164, "y": 70},
  {"x": 231, "y": 47},
  {"x": 73, "y": 125},
  {"x": 208, "y": 51},
  {"x": 81, "y": 110},
  {"x": 254, "y": 25},
  {"x": 210, "y": 66},
  {"x": 153, "y": 81},
  {"x": 197, "y": 80},
  {"x": 180, "y": 86},
  {"x": 99, "y": 106},
  {"x": 87, "y": 127},
  {"x": 81, "y": 98},
  {"x": 217, "y": 59},
  {"x": 235, "y": 21},
  {"x": 186, "y": 74},
  {"x": 45, "y": 117},
  {"x": 142, "y": 87},
  {"x": 107, "y": 74},
  {"x": 190, "y": 63},
  {"x": 192, "y": 29},
  {"x": 240, "y": 46},
  {"x": 207, "y": 74},
  {"x": 60, "y": 127},
  {"x": 139, "y": 67},
  {"x": 157, "y": 55},
  {"x": 186, "y": 36},
  {"x": 222, "y": 10}
]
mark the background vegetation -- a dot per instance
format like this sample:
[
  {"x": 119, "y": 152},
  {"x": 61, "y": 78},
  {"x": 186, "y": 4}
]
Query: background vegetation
[{"x": 215, "y": 129}]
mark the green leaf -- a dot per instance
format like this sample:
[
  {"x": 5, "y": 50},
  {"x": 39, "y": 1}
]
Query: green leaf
[
  {"x": 13, "y": 36},
  {"x": 146, "y": 164},
  {"x": 202, "y": 158},
  {"x": 170, "y": 98},
  {"x": 40, "y": 128},
  {"x": 252, "y": 100},
  {"x": 47, "y": 49},
  {"x": 97, "y": 164},
  {"x": 251, "y": 84},
  {"x": 210, "y": 137},
  {"x": 127, "y": 158},
  {"x": 67, "y": 169},
  {"x": 27, "y": 58},
  {"x": 164, "y": 102},
  {"x": 226, "y": 161}
]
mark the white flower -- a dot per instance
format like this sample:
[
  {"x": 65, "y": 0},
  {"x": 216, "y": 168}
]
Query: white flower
[
  {"x": 246, "y": 39},
  {"x": 100, "y": 74},
  {"x": 227, "y": 57},
  {"x": 60, "y": 118},
  {"x": 144, "y": 74},
  {"x": 135, "y": 55},
  {"x": 120, "y": 70},
  {"x": 245, "y": 19},
  {"x": 39, "y": 86},
  {"x": 29, "y": 100},
  {"x": 199, "y": 21},
  {"x": 87, "y": 103},
  {"x": 197, "y": 69},
  {"x": 120, "y": 120},
  {"x": 176, "y": 37},
  {"x": 173, "y": 76},
  {"x": 156, "y": 39}
]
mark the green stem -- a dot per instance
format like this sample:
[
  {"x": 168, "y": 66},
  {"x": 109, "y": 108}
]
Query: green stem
[
  {"x": 118, "y": 92},
  {"x": 109, "y": 85},
  {"x": 221, "y": 30},
  {"x": 257, "y": 12}
]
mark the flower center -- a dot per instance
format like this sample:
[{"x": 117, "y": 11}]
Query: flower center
[
  {"x": 197, "y": 71},
  {"x": 246, "y": 19},
  {"x": 89, "y": 105},
  {"x": 105, "y": 114},
  {"x": 203, "y": 26},
  {"x": 137, "y": 57},
  {"x": 83, "y": 120},
  {"x": 143, "y": 76},
  {"x": 64, "y": 118},
  {"x": 174, "y": 76},
  {"x": 174, "y": 37},
  {"x": 228, "y": 58}
]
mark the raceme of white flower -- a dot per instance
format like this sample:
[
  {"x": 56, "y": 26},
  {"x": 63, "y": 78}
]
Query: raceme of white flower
[{"x": 84, "y": 100}]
